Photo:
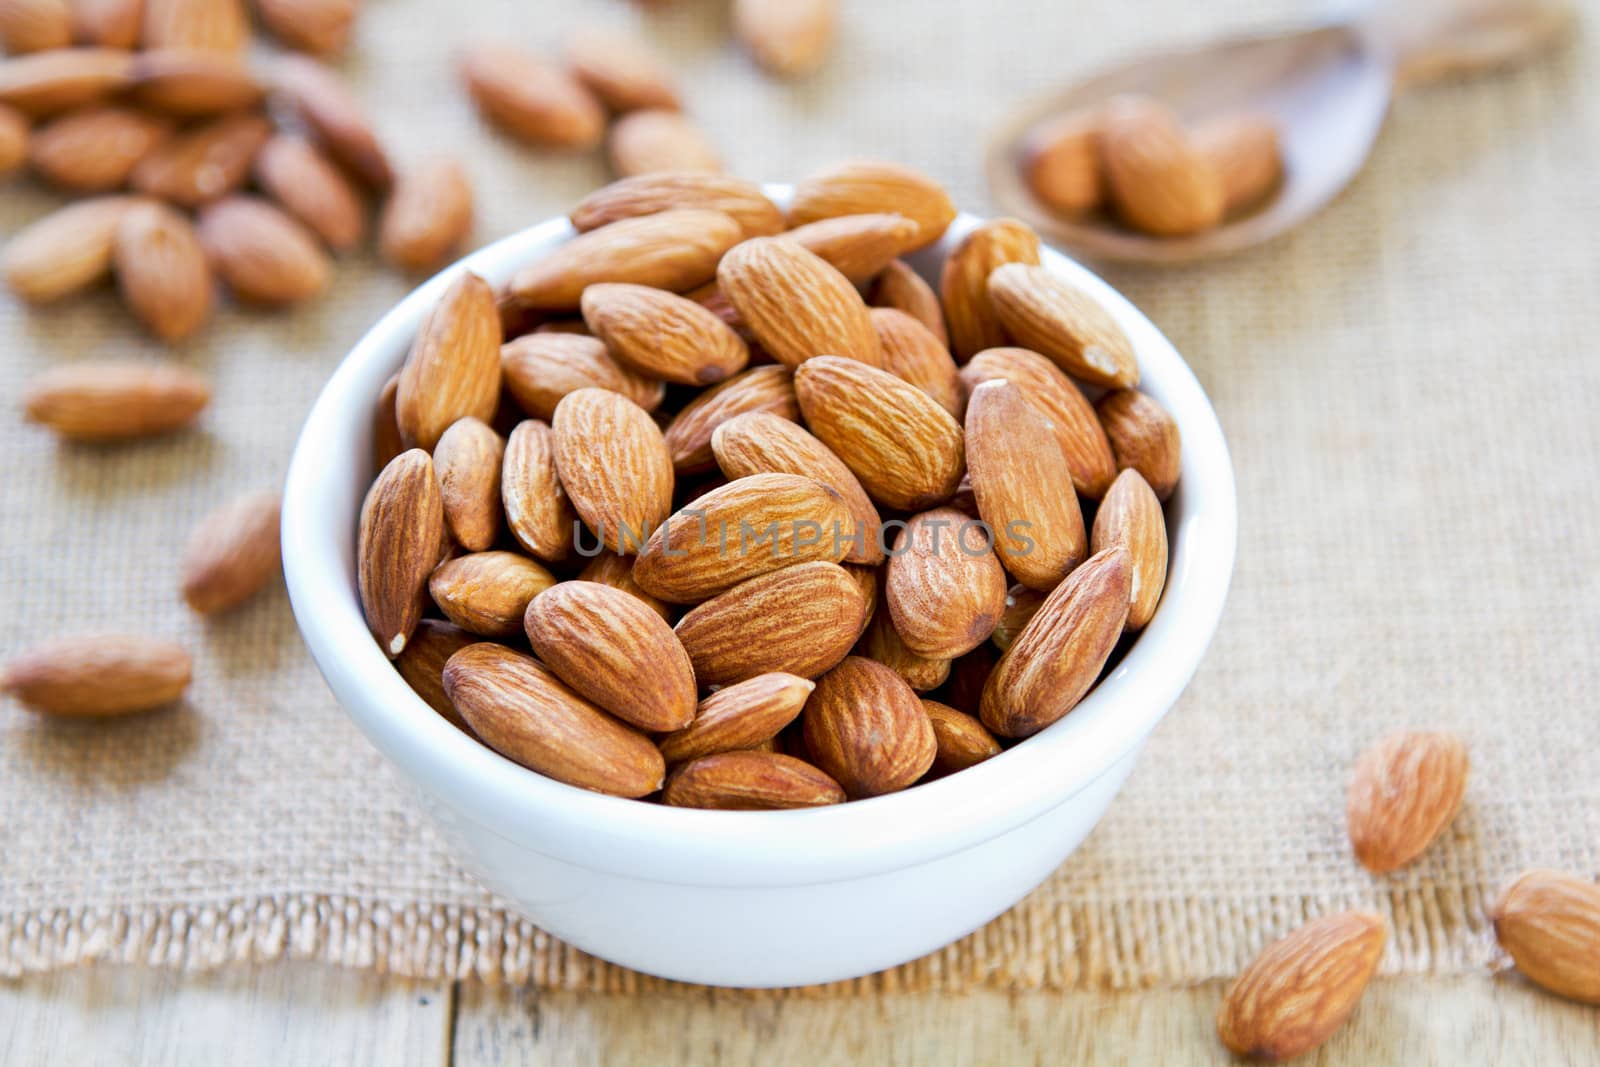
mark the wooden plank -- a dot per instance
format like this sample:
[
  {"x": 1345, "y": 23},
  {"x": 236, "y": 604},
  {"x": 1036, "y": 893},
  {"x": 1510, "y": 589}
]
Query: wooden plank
[{"x": 265, "y": 1016}]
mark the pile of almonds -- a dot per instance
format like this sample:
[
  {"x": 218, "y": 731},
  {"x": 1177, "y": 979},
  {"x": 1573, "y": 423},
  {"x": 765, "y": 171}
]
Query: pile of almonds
[{"x": 1133, "y": 158}]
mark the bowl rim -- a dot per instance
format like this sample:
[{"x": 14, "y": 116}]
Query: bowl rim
[{"x": 327, "y": 480}]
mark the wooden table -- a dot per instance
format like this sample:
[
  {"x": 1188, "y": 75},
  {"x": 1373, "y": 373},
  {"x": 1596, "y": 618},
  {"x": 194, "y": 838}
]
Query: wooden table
[{"x": 292, "y": 1014}]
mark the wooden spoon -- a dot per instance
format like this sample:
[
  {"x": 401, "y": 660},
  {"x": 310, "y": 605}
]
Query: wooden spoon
[{"x": 1327, "y": 88}]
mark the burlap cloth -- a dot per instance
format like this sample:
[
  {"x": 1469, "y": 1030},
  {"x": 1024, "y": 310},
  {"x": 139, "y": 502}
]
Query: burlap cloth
[{"x": 1408, "y": 383}]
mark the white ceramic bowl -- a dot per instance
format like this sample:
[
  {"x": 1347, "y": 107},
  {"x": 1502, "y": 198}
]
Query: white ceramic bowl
[{"x": 754, "y": 898}]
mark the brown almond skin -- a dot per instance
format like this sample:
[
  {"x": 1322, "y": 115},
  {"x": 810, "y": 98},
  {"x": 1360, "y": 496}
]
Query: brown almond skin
[
  {"x": 206, "y": 25},
  {"x": 488, "y": 592},
  {"x": 717, "y": 542},
  {"x": 309, "y": 186},
  {"x": 964, "y": 282},
  {"x": 944, "y": 586},
  {"x": 97, "y": 675},
  {"x": 422, "y": 664},
  {"x": 541, "y": 368},
  {"x": 908, "y": 451},
  {"x": 453, "y": 371},
  {"x": 800, "y": 620},
  {"x": 750, "y": 781},
  {"x": 1051, "y": 317},
  {"x": 1549, "y": 922},
  {"x": 610, "y": 647},
  {"x": 531, "y": 99},
  {"x": 14, "y": 137},
  {"x": 865, "y": 727},
  {"x": 1059, "y": 654},
  {"x": 335, "y": 119},
  {"x": 94, "y": 150},
  {"x": 525, "y": 713},
  {"x": 614, "y": 465},
  {"x": 608, "y": 568},
  {"x": 1143, "y": 437},
  {"x": 1061, "y": 163},
  {"x": 622, "y": 70},
  {"x": 317, "y": 26},
  {"x": 203, "y": 164},
  {"x": 788, "y": 38},
  {"x": 114, "y": 401},
  {"x": 739, "y": 717},
  {"x": 768, "y": 389},
  {"x": 232, "y": 553},
  {"x": 903, "y": 289},
  {"x": 1242, "y": 148},
  {"x": 1405, "y": 791},
  {"x": 34, "y": 25},
  {"x": 882, "y": 643},
  {"x": 1072, "y": 418},
  {"x": 265, "y": 256},
  {"x": 386, "y": 440},
  {"x": 1022, "y": 604},
  {"x": 661, "y": 335},
  {"x": 650, "y": 194},
  {"x": 1158, "y": 180},
  {"x": 467, "y": 459},
  {"x": 865, "y": 187},
  {"x": 110, "y": 23},
  {"x": 1020, "y": 478},
  {"x": 66, "y": 251},
  {"x": 427, "y": 217},
  {"x": 915, "y": 354},
  {"x": 857, "y": 246},
  {"x": 659, "y": 141},
  {"x": 1131, "y": 516},
  {"x": 162, "y": 271},
  {"x": 1302, "y": 987},
  {"x": 63, "y": 79},
  {"x": 536, "y": 506},
  {"x": 961, "y": 740},
  {"x": 192, "y": 84},
  {"x": 402, "y": 526},
  {"x": 795, "y": 303},
  {"x": 968, "y": 675}
]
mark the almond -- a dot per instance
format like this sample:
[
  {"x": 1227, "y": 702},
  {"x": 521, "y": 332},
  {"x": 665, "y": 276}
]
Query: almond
[
  {"x": 750, "y": 781},
  {"x": 488, "y": 592},
  {"x": 190, "y": 84},
  {"x": 739, "y": 717},
  {"x": 422, "y": 664},
  {"x": 402, "y": 525},
  {"x": 674, "y": 250},
  {"x": 1302, "y": 987},
  {"x": 865, "y": 727},
  {"x": 1073, "y": 420},
  {"x": 1057, "y": 657},
  {"x": 1243, "y": 151},
  {"x": 789, "y": 38},
  {"x": 1549, "y": 922},
  {"x": 162, "y": 271},
  {"x": 1061, "y": 163},
  {"x": 866, "y": 579},
  {"x": 203, "y": 164},
  {"x": 650, "y": 194},
  {"x": 541, "y": 368},
  {"x": 624, "y": 72},
  {"x": 1131, "y": 516},
  {"x": 968, "y": 675},
  {"x": 799, "y": 620},
  {"x": 795, "y": 303},
  {"x": 311, "y": 188},
  {"x": 263, "y": 255},
  {"x": 662, "y": 335},
  {"x": 66, "y": 251},
  {"x": 906, "y": 449},
  {"x": 94, "y": 150},
  {"x": 428, "y": 216},
  {"x": 614, "y": 466},
  {"x": 97, "y": 675},
  {"x": 1057, "y": 320},
  {"x": 1022, "y": 604},
  {"x": 903, "y": 289},
  {"x": 657, "y": 140},
  {"x": 525, "y": 713},
  {"x": 1019, "y": 477},
  {"x": 467, "y": 460},
  {"x": 883, "y": 644},
  {"x": 759, "y": 442},
  {"x": 964, "y": 283},
  {"x": 386, "y": 440},
  {"x": 530, "y": 99},
  {"x": 319, "y": 26},
  {"x": 960, "y": 740},
  {"x": 944, "y": 586},
  {"x": 62, "y": 79},
  {"x": 611, "y": 648},
  {"x": 232, "y": 553},
  {"x": 1158, "y": 180},
  {"x": 857, "y": 246},
  {"x": 454, "y": 367},
  {"x": 335, "y": 119},
  {"x": 34, "y": 25},
  {"x": 14, "y": 138},
  {"x": 914, "y": 354},
  {"x": 1144, "y": 437},
  {"x": 111, "y": 23},
  {"x": 536, "y": 506},
  {"x": 866, "y": 188},
  {"x": 115, "y": 400},
  {"x": 768, "y": 389},
  {"x": 212, "y": 25},
  {"x": 1405, "y": 791}
]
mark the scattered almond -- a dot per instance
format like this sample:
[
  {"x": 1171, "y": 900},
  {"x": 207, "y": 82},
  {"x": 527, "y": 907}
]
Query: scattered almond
[
  {"x": 162, "y": 271},
  {"x": 191, "y": 84},
  {"x": 318, "y": 26},
  {"x": 232, "y": 553},
  {"x": 14, "y": 139},
  {"x": 63, "y": 79},
  {"x": 531, "y": 99},
  {"x": 427, "y": 217},
  {"x": 34, "y": 25},
  {"x": 624, "y": 72},
  {"x": 214, "y": 25},
  {"x": 1405, "y": 791},
  {"x": 263, "y": 255},
  {"x": 68, "y": 250},
  {"x": 97, "y": 675},
  {"x": 789, "y": 38},
  {"x": 313, "y": 189},
  {"x": 110, "y": 23},
  {"x": 96, "y": 149},
  {"x": 205, "y": 163},
  {"x": 1549, "y": 922},
  {"x": 657, "y": 140},
  {"x": 335, "y": 119},
  {"x": 115, "y": 400}
]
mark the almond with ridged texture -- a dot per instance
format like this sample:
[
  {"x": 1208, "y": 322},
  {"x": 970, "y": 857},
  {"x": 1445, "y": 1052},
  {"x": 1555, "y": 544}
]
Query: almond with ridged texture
[
  {"x": 759, "y": 442},
  {"x": 467, "y": 460},
  {"x": 34, "y": 25},
  {"x": 960, "y": 740},
  {"x": 866, "y": 728},
  {"x": 661, "y": 335},
  {"x": 1059, "y": 654},
  {"x": 689, "y": 435},
  {"x": 1022, "y": 604},
  {"x": 622, "y": 70},
  {"x": 94, "y": 150},
  {"x": 205, "y": 163},
  {"x": 536, "y": 506},
  {"x": 1302, "y": 987},
  {"x": 111, "y": 23},
  {"x": 192, "y": 84},
  {"x": 658, "y": 140},
  {"x": 319, "y": 26},
  {"x": 788, "y": 38},
  {"x": 309, "y": 186},
  {"x": 1072, "y": 418},
  {"x": 524, "y": 712},
  {"x": 1131, "y": 516},
  {"x": 115, "y": 400},
  {"x": 97, "y": 675},
  {"x": 454, "y": 367},
  {"x": 800, "y": 620},
  {"x": 66, "y": 251},
  {"x": 386, "y": 440},
  {"x": 1058, "y": 320},
  {"x": 1243, "y": 150},
  {"x": 232, "y": 553},
  {"x": 1549, "y": 922},
  {"x": 427, "y": 217},
  {"x": 608, "y": 568},
  {"x": 209, "y": 25},
  {"x": 1143, "y": 436},
  {"x": 903, "y": 289},
  {"x": 1061, "y": 163},
  {"x": 906, "y": 449},
  {"x": 402, "y": 526},
  {"x": 857, "y": 246},
  {"x": 913, "y": 353},
  {"x": 162, "y": 271},
  {"x": 1404, "y": 793},
  {"x": 882, "y": 643},
  {"x": 1021, "y": 481},
  {"x": 335, "y": 119},
  {"x": 14, "y": 138},
  {"x": 795, "y": 303},
  {"x": 422, "y": 664},
  {"x": 541, "y": 368},
  {"x": 673, "y": 250},
  {"x": 650, "y": 194},
  {"x": 1157, "y": 178},
  {"x": 265, "y": 256},
  {"x": 610, "y": 647},
  {"x": 739, "y": 717},
  {"x": 866, "y": 188},
  {"x": 614, "y": 466},
  {"x": 61, "y": 79},
  {"x": 488, "y": 592},
  {"x": 750, "y": 781},
  {"x": 944, "y": 587},
  {"x": 964, "y": 283},
  {"x": 532, "y": 99}
]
